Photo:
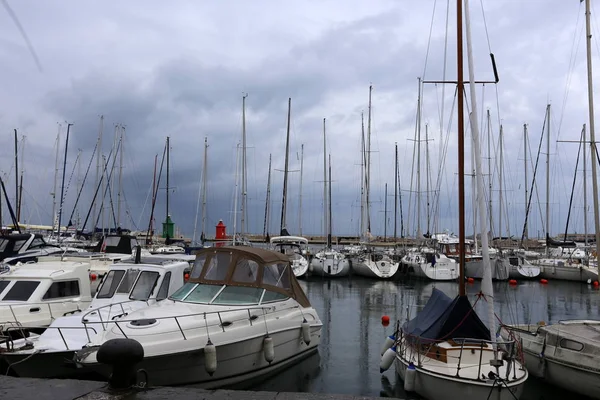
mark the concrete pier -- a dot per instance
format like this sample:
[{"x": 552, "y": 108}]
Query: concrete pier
[{"x": 59, "y": 389}]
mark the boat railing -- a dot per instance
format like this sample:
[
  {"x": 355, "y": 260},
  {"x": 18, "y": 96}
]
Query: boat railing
[
  {"x": 119, "y": 306},
  {"x": 9, "y": 339},
  {"x": 37, "y": 308},
  {"x": 223, "y": 323}
]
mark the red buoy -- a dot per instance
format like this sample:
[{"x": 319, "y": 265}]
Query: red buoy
[
  {"x": 512, "y": 282},
  {"x": 93, "y": 277},
  {"x": 544, "y": 281},
  {"x": 385, "y": 320},
  {"x": 596, "y": 284},
  {"x": 470, "y": 280},
  {"x": 186, "y": 276}
]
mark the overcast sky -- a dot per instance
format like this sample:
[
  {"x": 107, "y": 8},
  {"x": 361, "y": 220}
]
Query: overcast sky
[{"x": 179, "y": 69}]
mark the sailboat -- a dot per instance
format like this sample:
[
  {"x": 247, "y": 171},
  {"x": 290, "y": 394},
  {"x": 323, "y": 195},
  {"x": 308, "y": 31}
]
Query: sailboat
[
  {"x": 567, "y": 354},
  {"x": 368, "y": 262},
  {"x": 295, "y": 247},
  {"x": 446, "y": 351},
  {"x": 328, "y": 262}
]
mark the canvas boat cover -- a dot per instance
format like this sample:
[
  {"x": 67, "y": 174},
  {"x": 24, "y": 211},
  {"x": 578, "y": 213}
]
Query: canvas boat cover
[{"x": 444, "y": 318}]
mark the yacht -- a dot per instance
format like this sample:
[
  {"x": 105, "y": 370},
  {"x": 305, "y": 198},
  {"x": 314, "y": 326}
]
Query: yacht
[
  {"x": 429, "y": 264},
  {"x": 296, "y": 248},
  {"x": 128, "y": 286},
  {"x": 241, "y": 315}
]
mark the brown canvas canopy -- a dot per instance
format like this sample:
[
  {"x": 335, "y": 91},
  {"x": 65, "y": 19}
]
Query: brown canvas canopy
[{"x": 250, "y": 267}]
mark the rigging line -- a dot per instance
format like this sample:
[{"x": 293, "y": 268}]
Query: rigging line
[
  {"x": 429, "y": 39},
  {"x": 487, "y": 35},
  {"x": 83, "y": 182},
  {"x": 573, "y": 187},
  {"x": 572, "y": 57},
  {"x": 16, "y": 21}
]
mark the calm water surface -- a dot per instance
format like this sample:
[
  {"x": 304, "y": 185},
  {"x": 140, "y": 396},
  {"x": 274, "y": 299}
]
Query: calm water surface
[{"x": 351, "y": 311}]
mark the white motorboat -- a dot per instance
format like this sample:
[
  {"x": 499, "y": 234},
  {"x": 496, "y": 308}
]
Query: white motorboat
[
  {"x": 24, "y": 247},
  {"x": 32, "y": 296},
  {"x": 565, "y": 354},
  {"x": 127, "y": 287},
  {"x": 429, "y": 264},
  {"x": 296, "y": 248},
  {"x": 242, "y": 315}
]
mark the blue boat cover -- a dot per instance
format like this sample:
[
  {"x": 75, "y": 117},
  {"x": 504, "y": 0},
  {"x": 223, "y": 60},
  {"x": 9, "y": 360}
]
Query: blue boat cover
[{"x": 443, "y": 318}]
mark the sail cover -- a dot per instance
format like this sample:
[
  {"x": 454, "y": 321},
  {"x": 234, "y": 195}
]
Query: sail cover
[{"x": 444, "y": 318}]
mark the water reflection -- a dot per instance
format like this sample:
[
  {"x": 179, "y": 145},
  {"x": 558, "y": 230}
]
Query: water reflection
[{"x": 351, "y": 311}]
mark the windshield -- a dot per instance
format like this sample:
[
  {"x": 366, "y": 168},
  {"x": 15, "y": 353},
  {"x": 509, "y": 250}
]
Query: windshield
[
  {"x": 3, "y": 243},
  {"x": 109, "y": 285},
  {"x": 21, "y": 291},
  {"x": 19, "y": 244},
  {"x": 128, "y": 281},
  {"x": 144, "y": 286},
  {"x": 225, "y": 295}
]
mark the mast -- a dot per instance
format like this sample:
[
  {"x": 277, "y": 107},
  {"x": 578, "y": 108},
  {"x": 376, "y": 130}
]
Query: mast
[
  {"x": 396, "y": 193},
  {"x": 500, "y": 205},
  {"x": 98, "y": 170},
  {"x": 385, "y": 215},
  {"x": 17, "y": 177},
  {"x": 362, "y": 174},
  {"x": 473, "y": 194},
  {"x": 56, "y": 177},
  {"x": 526, "y": 233},
  {"x": 300, "y": 200},
  {"x": 486, "y": 283},
  {"x": 588, "y": 34},
  {"x": 267, "y": 202},
  {"x": 427, "y": 174},
  {"x": 419, "y": 162},
  {"x": 167, "y": 205},
  {"x": 461, "y": 148},
  {"x": 200, "y": 186},
  {"x": 151, "y": 233},
  {"x": 243, "y": 210},
  {"x": 368, "y": 166},
  {"x": 324, "y": 180},
  {"x": 489, "y": 150},
  {"x": 329, "y": 224},
  {"x": 204, "y": 177},
  {"x": 122, "y": 133},
  {"x": 548, "y": 175},
  {"x": 235, "y": 194},
  {"x": 585, "y": 216},
  {"x": 285, "y": 171},
  {"x": 62, "y": 187}
]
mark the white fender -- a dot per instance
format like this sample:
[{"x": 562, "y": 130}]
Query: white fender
[
  {"x": 389, "y": 342},
  {"x": 268, "y": 349},
  {"x": 409, "y": 378},
  {"x": 387, "y": 359},
  {"x": 306, "y": 332},
  {"x": 210, "y": 358}
]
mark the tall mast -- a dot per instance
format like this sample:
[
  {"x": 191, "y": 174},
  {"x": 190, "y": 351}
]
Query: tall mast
[
  {"x": 324, "y": 179},
  {"x": 396, "y": 193},
  {"x": 588, "y": 34},
  {"x": 547, "y": 174},
  {"x": 285, "y": 171},
  {"x": 243, "y": 210},
  {"x": 489, "y": 150},
  {"x": 585, "y": 211},
  {"x": 300, "y": 200},
  {"x": 204, "y": 177},
  {"x": 167, "y": 205},
  {"x": 419, "y": 161},
  {"x": 500, "y": 205},
  {"x": 362, "y": 174},
  {"x": 267, "y": 202},
  {"x": 122, "y": 133},
  {"x": 427, "y": 174},
  {"x": 56, "y": 177},
  {"x": 473, "y": 194},
  {"x": 235, "y": 194},
  {"x": 526, "y": 233},
  {"x": 385, "y": 214},
  {"x": 329, "y": 223},
  {"x": 461, "y": 148},
  {"x": 17, "y": 177},
  {"x": 62, "y": 187},
  {"x": 368, "y": 167},
  {"x": 98, "y": 170}
]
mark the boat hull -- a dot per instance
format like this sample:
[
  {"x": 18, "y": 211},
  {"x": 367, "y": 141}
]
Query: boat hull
[
  {"x": 474, "y": 269},
  {"x": 575, "y": 273},
  {"x": 237, "y": 363},
  {"x": 381, "y": 269},
  {"x": 330, "y": 267},
  {"x": 445, "y": 387},
  {"x": 50, "y": 365}
]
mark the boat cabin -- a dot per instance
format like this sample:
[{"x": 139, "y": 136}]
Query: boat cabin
[
  {"x": 35, "y": 296},
  {"x": 18, "y": 244},
  {"x": 238, "y": 275}
]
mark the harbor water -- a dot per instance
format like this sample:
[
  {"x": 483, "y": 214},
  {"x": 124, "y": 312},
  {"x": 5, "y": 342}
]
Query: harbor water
[{"x": 351, "y": 311}]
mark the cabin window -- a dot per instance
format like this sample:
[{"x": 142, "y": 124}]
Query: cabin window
[
  {"x": 513, "y": 261},
  {"x": 3, "y": 243},
  {"x": 245, "y": 271},
  {"x": 144, "y": 286},
  {"x": 21, "y": 291},
  {"x": 203, "y": 293},
  {"x": 163, "y": 291},
  {"x": 37, "y": 242},
  {"x": 273, "y": 296},
  {"x": 571, "y": 345},
  {"x": 19, "y": 244},
  {"x": 3, "y": 285},
  {"x": 238, "y": 295},
  {"x": 198, "y": 265},
  {"x": 217, "y": 267},
  {"x": 110, "y": 283},
  {"x": 276, "y": 275},
  {"x": 62, "y": 289},
  {"x": 128, "y": 281}
]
